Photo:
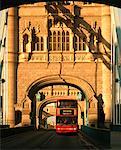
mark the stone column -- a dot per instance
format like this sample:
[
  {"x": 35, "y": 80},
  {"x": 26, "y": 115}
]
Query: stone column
[{"x": 12, "y": 63}]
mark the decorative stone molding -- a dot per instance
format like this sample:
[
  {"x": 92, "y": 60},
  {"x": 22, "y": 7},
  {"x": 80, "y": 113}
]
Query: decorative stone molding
[
  {"x": 83, "y": 57},
  {"x": 18, "y": 106},
  {"x": 39, "y": 57}
]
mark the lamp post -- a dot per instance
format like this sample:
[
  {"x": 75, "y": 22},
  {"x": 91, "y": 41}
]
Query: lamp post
[{"x": 1, "y": 100}]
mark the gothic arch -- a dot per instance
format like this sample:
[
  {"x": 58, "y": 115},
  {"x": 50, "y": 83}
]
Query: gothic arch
[
  {"x": 25, "y": 43},
  {"x": 74, "y": 81},
  {"x": 79, "y": 83}
]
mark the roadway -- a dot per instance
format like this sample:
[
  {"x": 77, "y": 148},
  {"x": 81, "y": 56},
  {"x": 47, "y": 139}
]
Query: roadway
[{"x": 36, "y": 140}]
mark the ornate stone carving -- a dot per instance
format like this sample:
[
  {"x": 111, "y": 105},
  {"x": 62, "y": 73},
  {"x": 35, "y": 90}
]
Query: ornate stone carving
[
  {"x": 39, "y": 58},
  {"x": 81, "y": 57},
  {"x": 55, "y": 57}
]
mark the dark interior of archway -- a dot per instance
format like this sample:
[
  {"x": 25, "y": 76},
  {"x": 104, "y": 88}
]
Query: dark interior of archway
[
  {"x": 18, "y": 117},
  {"x": 35, "y": 89}
]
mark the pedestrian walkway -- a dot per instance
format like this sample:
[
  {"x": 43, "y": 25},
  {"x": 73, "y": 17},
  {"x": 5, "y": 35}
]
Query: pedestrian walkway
[{"x": 116, "y": 140}]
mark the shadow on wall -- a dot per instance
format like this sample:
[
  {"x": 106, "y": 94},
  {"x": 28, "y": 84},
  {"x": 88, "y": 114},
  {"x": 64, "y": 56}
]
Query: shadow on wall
[
  {"x": 101, "y": 114},
  {"x": 6, "y": 4},
  {"x": 80, "y": 27}
]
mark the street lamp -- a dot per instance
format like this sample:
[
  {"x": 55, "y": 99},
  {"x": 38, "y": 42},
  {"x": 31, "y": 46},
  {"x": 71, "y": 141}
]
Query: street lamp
[{"x": 1, "y": 99}]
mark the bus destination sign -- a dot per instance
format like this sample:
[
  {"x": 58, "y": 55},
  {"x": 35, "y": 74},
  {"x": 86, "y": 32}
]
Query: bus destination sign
[{"x": 66, "y": 112}]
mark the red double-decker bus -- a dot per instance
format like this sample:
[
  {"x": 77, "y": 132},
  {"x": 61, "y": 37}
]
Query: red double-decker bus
[{"x": 66, "y": 116}]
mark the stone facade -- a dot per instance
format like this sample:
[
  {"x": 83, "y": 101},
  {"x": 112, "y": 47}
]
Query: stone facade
[{"x": 62, "y": 49}]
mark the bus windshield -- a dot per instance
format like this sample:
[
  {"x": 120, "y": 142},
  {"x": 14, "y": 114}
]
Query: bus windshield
[
  {"x": 67, "y": 104},
  {"x": 66, "y": 120}
]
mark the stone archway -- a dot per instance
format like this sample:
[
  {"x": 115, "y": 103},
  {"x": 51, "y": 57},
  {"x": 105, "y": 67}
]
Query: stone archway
[
  {"x": 77, "y": 82},
  {"x": 45, "y": 102}
]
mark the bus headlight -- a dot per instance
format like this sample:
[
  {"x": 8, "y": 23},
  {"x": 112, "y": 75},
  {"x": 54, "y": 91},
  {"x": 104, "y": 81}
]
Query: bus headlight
[{"x": 58, "y": 128}]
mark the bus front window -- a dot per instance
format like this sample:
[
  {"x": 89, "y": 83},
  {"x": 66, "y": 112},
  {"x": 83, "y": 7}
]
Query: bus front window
[
  {"x": 67, "y": 103},
  {"x": 66, "y": 120}
]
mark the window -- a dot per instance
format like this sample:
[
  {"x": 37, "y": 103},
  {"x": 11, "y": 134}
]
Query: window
[
  {"x": 59, "y": 41},
  {"x": 75, "y": 41},
  {"x": 66, "y": 2},
  {"x": 87, "y": 3},
  {"x": 25, "y": 41},
  {"x": 84, "y": 44},
  {"x": 63, "y": 41},
  {"x": 54, "y": 41},
  {"x": 37, "y": 44},
  {"x": 41, "y": 44},
  {"x": 67, "y": 41},
  {"x": 80, "y": 43},
  {"x": 50, "y": 40}
]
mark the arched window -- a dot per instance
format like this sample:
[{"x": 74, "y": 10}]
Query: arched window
[
  {"x": 63, "y": 41},
  {"x": 34, "y": 40},
  {"x": 75, "y": 41},
  {"x": 36, "y": 44},
  {"x": 25, "y": 41},
  {"x": 59, "y": 41},
  {"x": 54, "y": 41},
  {"x": 50, "y": 40},
  {"x": 67, "y": 41},
  {"x": 80, "y": 43},
  {"x": 84, "y": 44},
  {"x": 41, "y": 44}
]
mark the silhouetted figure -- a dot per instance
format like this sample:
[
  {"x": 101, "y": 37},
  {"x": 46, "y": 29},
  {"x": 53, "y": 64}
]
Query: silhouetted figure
[
  {"x": 101, "y": 114},
  {"x": 91, "y": 42},
  {"x": 99, "y": 36}
]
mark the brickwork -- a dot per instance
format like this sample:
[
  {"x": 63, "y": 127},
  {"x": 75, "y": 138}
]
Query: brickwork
[{"x": 88, "y": 70}]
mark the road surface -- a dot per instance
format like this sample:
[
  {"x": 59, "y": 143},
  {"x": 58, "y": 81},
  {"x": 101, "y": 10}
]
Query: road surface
[{"x": 37, "y": 140}]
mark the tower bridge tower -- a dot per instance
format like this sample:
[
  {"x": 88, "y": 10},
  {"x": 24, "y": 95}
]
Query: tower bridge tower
[{"x": 56, "y": 48}]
